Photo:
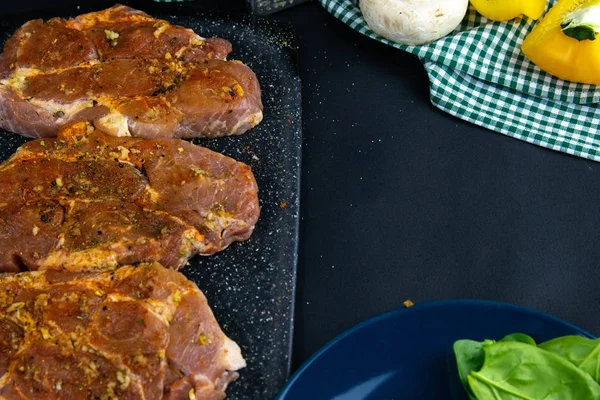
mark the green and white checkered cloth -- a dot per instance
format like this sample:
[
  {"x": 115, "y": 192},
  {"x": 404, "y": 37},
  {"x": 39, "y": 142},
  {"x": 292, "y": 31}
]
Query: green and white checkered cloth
[{"x": 479, "y": 74}]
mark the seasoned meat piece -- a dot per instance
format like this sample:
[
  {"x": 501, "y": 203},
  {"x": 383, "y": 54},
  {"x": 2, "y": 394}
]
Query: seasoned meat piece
[
  {"x": 128, "y": 73},
  {"x": 89, "y": 200},
  {"x": 141, "y": 332}
]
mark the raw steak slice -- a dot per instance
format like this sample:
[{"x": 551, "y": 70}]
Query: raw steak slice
[
  {"x": 141, "y": 332},
  {"x": 129, "y": 73},
  {"x": 87, "y": 200}
]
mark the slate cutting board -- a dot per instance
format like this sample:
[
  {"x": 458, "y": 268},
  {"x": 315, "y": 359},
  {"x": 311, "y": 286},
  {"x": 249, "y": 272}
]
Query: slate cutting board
[
  {"x": 265, "y": 7},
  {"x": 250, "y": 286}
]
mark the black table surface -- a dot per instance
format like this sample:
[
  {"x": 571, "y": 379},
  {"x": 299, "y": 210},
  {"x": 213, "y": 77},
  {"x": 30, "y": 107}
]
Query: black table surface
[{"x": 402, "y": 201}]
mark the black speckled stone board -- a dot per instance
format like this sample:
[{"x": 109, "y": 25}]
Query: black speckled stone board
[{"x": 250, "y": 286}]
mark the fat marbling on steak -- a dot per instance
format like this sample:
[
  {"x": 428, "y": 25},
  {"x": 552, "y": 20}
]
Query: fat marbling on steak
[
  {"x": 141, "y": 332},
  {"x": 88, "y": 200},
  {"x": 129, "y": 73}
]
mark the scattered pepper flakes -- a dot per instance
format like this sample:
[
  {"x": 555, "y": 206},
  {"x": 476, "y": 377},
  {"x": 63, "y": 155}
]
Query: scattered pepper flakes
[
  {"x": 202, "y": 339},
  {"x": 192, "y": 394},
  {"x": 168, "y": 56},
  {"x": 161, "y": 27},
  {"x": 15, "y": 307},
  {"x": 124, "y": 379},
  {"x": 35, "y": 230},
  {"x": 59, "y": 181},
  {"x": 283, "y": 205},
  {"x": 45, "y": 333},
  {"x": 180, "y": 149},
  {"x": 111, "y": 35},
  {"x": 408, "y": 304},
  {"x": 177, "y": 297},
  {"x": 198, "y": 172},
  {"x": 124, "y": 152},
  {"x": 196, "y": 41},
  {"x": 239, "y": 91}
]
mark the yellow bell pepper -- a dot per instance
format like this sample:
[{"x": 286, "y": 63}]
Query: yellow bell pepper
[
  {"x": 504, "y": 10},
  {"x": 563, "y": 42}
]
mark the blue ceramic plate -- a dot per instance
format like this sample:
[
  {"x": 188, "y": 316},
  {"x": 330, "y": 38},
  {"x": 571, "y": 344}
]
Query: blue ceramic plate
[{"x": 406, "y": 354}]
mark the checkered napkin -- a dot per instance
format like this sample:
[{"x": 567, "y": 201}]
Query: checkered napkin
[{"x": 479, "y": 74}]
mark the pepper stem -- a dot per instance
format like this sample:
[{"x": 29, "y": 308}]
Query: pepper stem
[
  {"x": 579, "y": 32},
  {"x": 583, "y": 23}
]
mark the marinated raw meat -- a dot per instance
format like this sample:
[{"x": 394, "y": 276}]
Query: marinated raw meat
[
  {"x": 87, "y": 200},
  {"x": 141, "y": 332},
  {"x": 129, "y": 73}
]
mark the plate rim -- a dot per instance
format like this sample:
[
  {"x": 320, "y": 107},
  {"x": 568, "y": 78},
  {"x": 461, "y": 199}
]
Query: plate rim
[{"x": 419, "y": 306}]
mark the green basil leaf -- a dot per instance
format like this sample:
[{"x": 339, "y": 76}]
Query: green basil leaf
[
  {"x": 582, "y": 352},
  {"x": 518, "y": 337},
  {"x": 469, "y": 357},
  {"x": 519, "y": 371}
]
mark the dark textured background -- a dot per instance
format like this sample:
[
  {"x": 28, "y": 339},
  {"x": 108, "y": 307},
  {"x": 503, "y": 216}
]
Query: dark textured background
[{"x": 400, "y": 200}]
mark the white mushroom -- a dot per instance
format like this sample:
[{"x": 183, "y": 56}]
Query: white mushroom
[{"x": 413, "y": 22}]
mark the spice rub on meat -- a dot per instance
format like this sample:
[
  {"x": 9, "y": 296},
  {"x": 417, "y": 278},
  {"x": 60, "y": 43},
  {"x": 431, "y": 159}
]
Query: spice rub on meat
[
  {"x": 87, "y": 200},
  {"x": 129, "y": 73},
  {"x": 141, "y": 332}
]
